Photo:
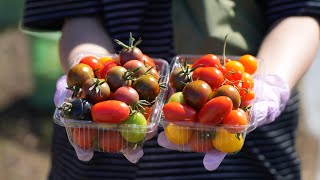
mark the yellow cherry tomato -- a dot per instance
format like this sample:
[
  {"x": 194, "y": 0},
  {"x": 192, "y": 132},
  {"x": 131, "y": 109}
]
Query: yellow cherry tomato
[
  {"x": 178, "y": 135},
  {"x": 227, "y": 142}
]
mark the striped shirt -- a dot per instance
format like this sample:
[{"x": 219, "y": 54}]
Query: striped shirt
[{"x": 269, "y": 151}]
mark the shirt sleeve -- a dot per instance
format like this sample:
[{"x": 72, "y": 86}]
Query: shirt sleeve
[
  {"x": 274, "y": 10},
  {"x": 49, "y": 15}
]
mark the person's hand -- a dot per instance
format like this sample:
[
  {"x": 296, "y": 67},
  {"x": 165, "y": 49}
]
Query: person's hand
[
  {"x": 272, "y": 96},
  {"x": 86, "y": 155}
]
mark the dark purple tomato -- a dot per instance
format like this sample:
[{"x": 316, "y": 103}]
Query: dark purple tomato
[
  {"x": 197, "y": 93},
  {"x": 76, "y": 108},
  {"x": 136, "y": 67},
  {"x": 96, "y": 90},
  {"x": 116, "y": 78},
  {"x": 147, "y": 87},
  {"x": 178, "y": 79},
  {"x": 231, "y": 92}
]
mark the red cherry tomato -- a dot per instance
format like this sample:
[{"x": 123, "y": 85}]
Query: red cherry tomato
[
  {"x": 235, "y": 118},
  {"x": 111, "y": 141},
  {"x": 208, "y": 60},
  {"x": 247, "y": 94},
  {"x": 147, "y": 61},
  {"x": 210, "y": 75},
  {"x": 215, "y": 110},
  {"x": 111, "y": 111},
  {"x": 174, "y": 111},
  {"x": 83, "y": 137},
  {"x": 106, "y": 66},
  {"x": 247, "y": 81},
  {"x": 93, "y": 62}
]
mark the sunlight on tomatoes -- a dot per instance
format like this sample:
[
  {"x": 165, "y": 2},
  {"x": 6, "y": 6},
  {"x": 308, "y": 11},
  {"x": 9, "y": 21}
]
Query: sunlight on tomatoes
[
  {"x": 247, "y": 81},
  {"x": 247, "y": 94},
  {"x": 111, "y": 141},
  {"x": 227, "y": 142},
  {"x": 178, "y": 134},
  {"x": 83, "y": 137}
]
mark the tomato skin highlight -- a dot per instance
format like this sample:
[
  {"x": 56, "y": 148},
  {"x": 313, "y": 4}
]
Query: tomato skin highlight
[
  {"x": 78, "y": 74},
  {"x": 208, "y": 60},
  {"x": 210, "y": 75},
  {"x": 111, "y": 111},
  {"x": 174, "y": 111},
  {"x": 146, "y": 60},
  {"x": 215, "y": 110}
]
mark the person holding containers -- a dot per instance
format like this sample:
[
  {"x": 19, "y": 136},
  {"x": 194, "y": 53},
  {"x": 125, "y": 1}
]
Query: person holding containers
[{"x": 284, "y": 35}]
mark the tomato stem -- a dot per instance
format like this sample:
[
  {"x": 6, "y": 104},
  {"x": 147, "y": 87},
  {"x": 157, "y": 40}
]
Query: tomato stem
[{"x": 224, "y": 49}]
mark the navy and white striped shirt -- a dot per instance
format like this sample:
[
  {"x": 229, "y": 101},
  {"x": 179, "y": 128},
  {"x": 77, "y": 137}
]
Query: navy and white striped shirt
[{"x": 269, "y": 151}]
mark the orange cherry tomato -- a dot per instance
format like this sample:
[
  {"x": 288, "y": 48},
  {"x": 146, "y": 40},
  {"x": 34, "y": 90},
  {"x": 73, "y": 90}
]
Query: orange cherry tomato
[
  {"x": 111, "y": 111},
  {"x": 111, "y": 141},
  {"x": 247, "y": 94},
  {"x": 201, "y": 141},
  {"x": 247, "y": 81},
  {"x": 249, "y": 62},
  {"x": 174, "y": 111}
]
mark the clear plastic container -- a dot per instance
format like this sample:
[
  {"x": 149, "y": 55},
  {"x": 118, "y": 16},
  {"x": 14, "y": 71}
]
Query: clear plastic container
[
  {"x": 199, "y": 137},
  {"x": 115, "y": 138}
]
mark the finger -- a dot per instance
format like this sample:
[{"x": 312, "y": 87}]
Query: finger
[
  {"x": 83, "y": 155},
  {"x": 134, "y": 155},
  {"x": 213, "y": 159}
]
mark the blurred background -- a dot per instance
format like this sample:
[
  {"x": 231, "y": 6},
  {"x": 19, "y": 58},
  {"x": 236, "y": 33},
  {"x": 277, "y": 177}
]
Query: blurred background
[{"x": 29, "y": 67}]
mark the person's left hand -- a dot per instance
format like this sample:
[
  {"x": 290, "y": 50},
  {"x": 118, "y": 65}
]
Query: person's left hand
[{"x": 86, "y": 155}]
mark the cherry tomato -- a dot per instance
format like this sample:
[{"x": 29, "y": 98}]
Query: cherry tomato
[
  {"x": 227, "y": 142},
  {"x": 178, "y": 135},
  {"x": 105, "y": 68},
  {"x": 210, "y": 75},
  {"x": 83, "y": 137},
  {"x": 111, "y": 111},
  {"x": 111, "y": 141},
  {"x": 208, "y": 60},
  {"x": 201, "y": 141},
  {"x": 93, "y": 62},
  {"x": 178, "y": 79},
  {"x": 116, "y": 78},
  {"x": 147, "y": 112},
  {"x": 215, "y": 110},
  {"x": 249, "y": 62},
  {"x": 236, "y": 69},
  {"x": 147, "y": 61},
  {"x": 105, "y": 59},
  {"x": 78, "y": 74},
  {"x": 247, "y": 94},
  {"x": 96, "y": 90},
  {"x": 177, "y": 97},
  {"x": 197, "y": 93},
  {"x": 231, "y": 92},
  {"x": 153, "y": 71},
  {"x": 127, "y": 95},
  {"x": 147, "y": 87},
  {"x": 247, "y": 81},
  {"x": 137, "y": 66},
  {"x": 137, "y": 132},
  {"x": 174, "y": 111},
  {"x": 234, "y": 118},
  {"x": 223, "y": 70}
]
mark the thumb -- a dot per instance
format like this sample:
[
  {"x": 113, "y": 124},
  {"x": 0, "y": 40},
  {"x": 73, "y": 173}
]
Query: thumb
[{"x": 213, "y": 159}]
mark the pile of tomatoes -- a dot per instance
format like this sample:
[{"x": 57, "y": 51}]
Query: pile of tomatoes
[
  {"x": 210, "y": 104},
  {"x": 118, "y": 90}
]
